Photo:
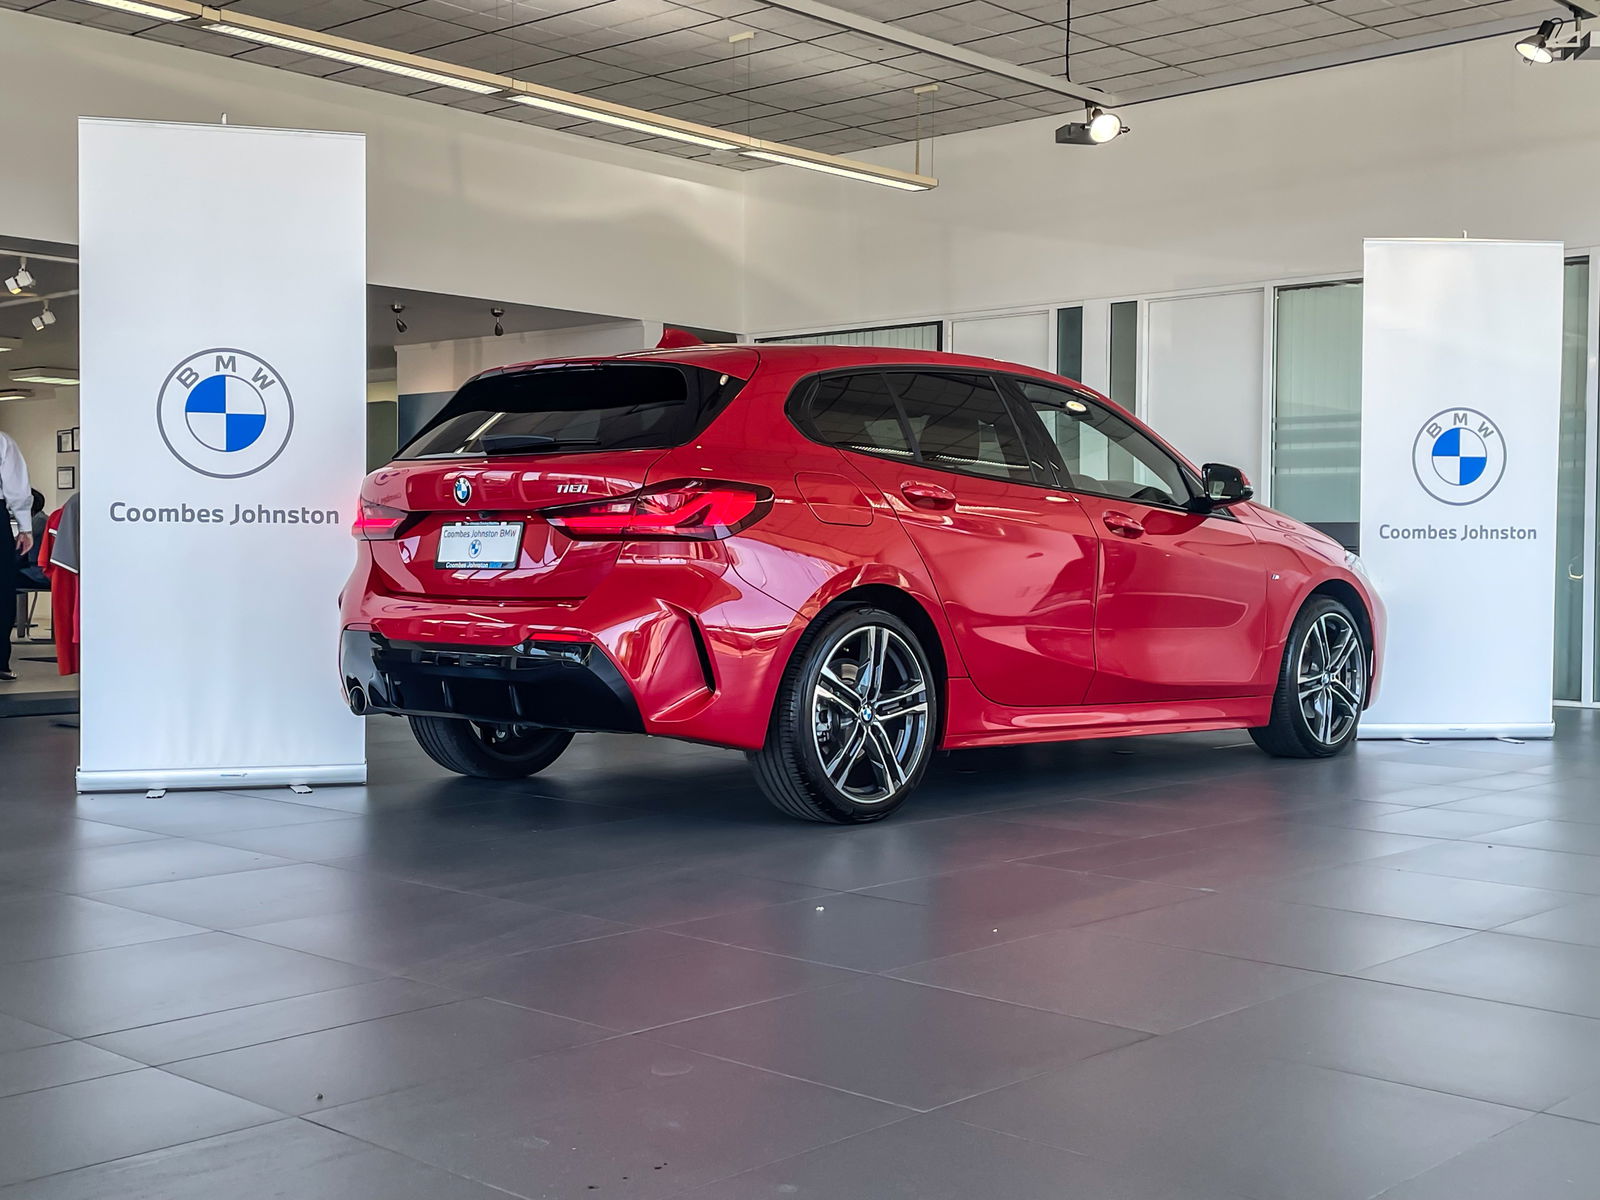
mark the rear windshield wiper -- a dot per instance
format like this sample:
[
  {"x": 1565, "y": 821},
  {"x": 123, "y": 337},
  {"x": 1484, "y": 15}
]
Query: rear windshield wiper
[{"x": 512, "y": 443}]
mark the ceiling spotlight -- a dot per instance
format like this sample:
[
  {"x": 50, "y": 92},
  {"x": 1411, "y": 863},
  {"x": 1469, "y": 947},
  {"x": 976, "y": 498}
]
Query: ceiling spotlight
[
  {"x": 399, "y": 324},
  {"x": 1536, "y": 46},
  {"x": 1099, "y": 128},
  {"x": 21, "y": 280},
  {"x": 45, "y": 318},
  {"x": 499, "y": 329}
]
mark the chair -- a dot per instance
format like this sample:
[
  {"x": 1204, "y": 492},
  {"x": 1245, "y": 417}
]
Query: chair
[{"x": 28, "y": 593}]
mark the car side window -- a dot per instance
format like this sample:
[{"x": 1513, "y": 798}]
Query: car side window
[
  {"x": 1102, "y": 452},
  {"x": 857, "y": 412},
  {"x": 961, "y": 423}
]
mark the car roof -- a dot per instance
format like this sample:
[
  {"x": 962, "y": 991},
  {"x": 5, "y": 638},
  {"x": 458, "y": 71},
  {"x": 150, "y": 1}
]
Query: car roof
[{"x": 734, "y": 356}]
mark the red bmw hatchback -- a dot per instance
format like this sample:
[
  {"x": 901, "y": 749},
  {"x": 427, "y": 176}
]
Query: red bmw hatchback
[{"x": 838, "y": 560}]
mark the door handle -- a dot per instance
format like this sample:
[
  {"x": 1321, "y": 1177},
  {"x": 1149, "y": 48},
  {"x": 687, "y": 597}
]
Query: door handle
[
  {"x": 1121, "y": 524},
  {"x": 928, "y": 495}
]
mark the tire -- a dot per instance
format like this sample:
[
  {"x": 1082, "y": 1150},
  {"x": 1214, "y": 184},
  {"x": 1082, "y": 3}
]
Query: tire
[
  {"x": 1322, "y": 684},
  {"x": 830, "y": 712},
  {"x": 488, "y": 751}
]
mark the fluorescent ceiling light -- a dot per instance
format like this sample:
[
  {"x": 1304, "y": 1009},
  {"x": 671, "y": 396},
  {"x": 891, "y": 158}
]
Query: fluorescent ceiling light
[
  {"x": 353, "y": 59},
  {"x": 13, "y": 394},
  {"x": 611, "y": 118},
  {"x": 139, "y": 9},
  {"x": 791, "y": 160},
  {"x": 9, "y": 343},
  {"x": 54, "y": 376}
]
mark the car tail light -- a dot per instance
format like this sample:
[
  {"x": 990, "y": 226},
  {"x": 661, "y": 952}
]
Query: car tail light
[
  {"x": 378, "y": 522},
  {"x": 685, "y": 509}
]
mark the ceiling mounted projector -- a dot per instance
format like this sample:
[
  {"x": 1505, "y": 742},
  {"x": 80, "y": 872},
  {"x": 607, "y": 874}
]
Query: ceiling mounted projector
[{"x": 1097, "y": 129}]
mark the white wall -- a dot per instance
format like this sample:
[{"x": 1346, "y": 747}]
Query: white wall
[
  {"x": 1273, "y": 179},
  {"x": 459, "y": 202}
]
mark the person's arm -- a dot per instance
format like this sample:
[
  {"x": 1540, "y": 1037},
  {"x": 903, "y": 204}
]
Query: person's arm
[{"x": 15, "y": 490}]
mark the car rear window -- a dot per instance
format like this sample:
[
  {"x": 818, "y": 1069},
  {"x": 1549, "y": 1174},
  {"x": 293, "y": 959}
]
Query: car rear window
[{"x": 574, "y": 407}]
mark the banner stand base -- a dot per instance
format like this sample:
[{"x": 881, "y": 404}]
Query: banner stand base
[
  {"x": 1439, "y": 733},
  {"x": 219, "y": 779}
]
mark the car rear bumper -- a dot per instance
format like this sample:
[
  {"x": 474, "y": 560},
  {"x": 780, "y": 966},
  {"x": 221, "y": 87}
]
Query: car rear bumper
[{"x": 558, "y": 684}]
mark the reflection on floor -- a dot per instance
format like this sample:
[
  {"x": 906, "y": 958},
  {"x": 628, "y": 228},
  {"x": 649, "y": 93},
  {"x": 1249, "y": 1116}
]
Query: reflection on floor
[
  {"x": 39, "y": 688},
  {"x": 1163, "y": 969}
]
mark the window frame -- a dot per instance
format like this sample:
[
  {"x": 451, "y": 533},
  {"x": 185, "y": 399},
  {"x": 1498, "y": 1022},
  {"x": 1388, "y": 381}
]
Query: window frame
[{"x": 1069, "y": 481}]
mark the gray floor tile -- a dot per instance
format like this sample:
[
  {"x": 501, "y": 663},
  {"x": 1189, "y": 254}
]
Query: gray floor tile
[
  {"x": 1574, "y": 922},
  {"x": 933, "y": 1157},
  {"x": 1585, "y": 1106},
  {"x": 1115, "y": 820},
  {"x": 1439, "y": 823},
  {"x": 1410, "y": 896},
  {"x": 1118, "y": 981},
  {"x": 190, "y": 814},
  {"x": 98, "y": 1120},
  {"x": 20, "y": 1035},
  {"x": 1544, "y": 1157},
  {"x": 625, "y": 1117},
  {"x": 1292, "y": 935},
  {"x": 1572, "y": 837},
  {"x": 353, "y": 1062},
  {"x": 900, "y": 1042},
  {"x": 286, "y": 1160},
  {"x": 1516, "y": 970},
  {"x": 1502, "y": 1053},
  {"x": 1518, "y": 865},
  {"x": 256, "y": 1024},
  {"x": 97, "y": 868},
  {"x": 55, "y": 1064},
  {"x": 1021, "y": 899},
  {"x": 47, "y": 924},
  {"x": 1531, "y": 807},
  {"x": 653, "y": 899},
  {"x": 1259, "y": 1127},
  {"x": 432, "y": 935},
  {"x": 632, "y": 981},
  {"x": 245, "y": 898},
  {"x": 106, "y": 990}
]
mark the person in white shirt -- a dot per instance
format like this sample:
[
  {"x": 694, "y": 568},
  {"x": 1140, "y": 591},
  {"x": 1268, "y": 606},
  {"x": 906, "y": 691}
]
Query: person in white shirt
[{"x": 16, "y": 500}]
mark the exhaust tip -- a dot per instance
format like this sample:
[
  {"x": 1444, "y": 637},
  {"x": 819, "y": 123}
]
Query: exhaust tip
[{"x": 358, "y": 700}]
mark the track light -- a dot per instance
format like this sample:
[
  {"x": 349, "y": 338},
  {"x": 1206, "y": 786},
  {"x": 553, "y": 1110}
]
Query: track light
[
  {"x": 499, "y": 329},
  {"x": 22, "y": 280},
  {"x": 45, "y": 318},
  {"x": 399, "y": 324},
  {"x": 1536, "y": 46},
  {"x": 1099, "y": 128}
]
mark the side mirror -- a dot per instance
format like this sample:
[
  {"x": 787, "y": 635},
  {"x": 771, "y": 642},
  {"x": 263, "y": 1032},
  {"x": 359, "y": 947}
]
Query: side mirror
[{"x": 1224, "y": 485}]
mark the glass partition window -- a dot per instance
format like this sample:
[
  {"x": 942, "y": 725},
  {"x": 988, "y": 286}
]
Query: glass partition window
[
  {"x": 1125, "y": 354},
  {"x": 1570, "y": 482},
  {"x": 1316, "y": 416},
  {"x": 1069, "y": 342}
]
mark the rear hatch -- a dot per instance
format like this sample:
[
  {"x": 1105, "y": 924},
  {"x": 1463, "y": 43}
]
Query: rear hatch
[{"x": 512, "y": 443}]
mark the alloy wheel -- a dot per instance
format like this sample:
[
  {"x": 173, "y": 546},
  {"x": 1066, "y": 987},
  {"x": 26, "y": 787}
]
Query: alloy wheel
[
  {"x": 869, "y": 714},
  {"x": 1332, "y": 678}
]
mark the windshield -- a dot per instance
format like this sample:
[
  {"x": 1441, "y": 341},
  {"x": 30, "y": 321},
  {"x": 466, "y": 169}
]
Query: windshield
[{"x": 585, "y": 406}]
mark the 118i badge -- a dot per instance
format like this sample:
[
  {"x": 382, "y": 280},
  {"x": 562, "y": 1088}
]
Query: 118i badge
[
  {"x": 225, "y": 413},
  {"x": 1458, "y": 456}
]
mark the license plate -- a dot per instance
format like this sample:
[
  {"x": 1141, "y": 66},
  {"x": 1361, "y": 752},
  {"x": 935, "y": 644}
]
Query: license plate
[{"x": 481, "y": 545}]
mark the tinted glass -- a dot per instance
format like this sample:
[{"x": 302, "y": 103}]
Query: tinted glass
[
  {"x": 604, "y": 406},
  {"x": 856, "y": 412},
  {"x": 961, "y": 423},
  {"x": 1102, "y": 452}
]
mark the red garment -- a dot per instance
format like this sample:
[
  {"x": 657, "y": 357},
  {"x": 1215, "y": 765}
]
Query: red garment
[{"x": 64, "y": 620}]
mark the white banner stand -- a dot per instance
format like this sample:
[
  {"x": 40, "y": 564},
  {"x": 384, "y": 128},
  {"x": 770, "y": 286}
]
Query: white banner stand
[
  {"x": 223, "y": 388},
  {"x": 1460, "y": 413}
]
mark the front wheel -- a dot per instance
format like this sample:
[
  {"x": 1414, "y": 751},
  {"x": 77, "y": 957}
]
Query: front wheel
[
  {"x": 855, "y": 722},
  {"x": 1322, "y": 685},
  {"x": 488, "y": 751}
]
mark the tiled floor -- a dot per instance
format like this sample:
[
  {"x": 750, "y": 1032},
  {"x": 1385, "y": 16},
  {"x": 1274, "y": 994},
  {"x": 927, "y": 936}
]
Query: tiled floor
[{"x": 1167, "y": 969}]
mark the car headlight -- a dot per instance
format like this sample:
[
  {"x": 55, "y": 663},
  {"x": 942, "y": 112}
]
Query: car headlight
[{"x": 1352, "y": 560}]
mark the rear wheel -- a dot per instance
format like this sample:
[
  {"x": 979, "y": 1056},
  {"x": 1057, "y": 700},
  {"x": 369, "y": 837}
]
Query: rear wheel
[
  {"x": 1322, "y": 685},
  {"x": 855, "y": 721},
  {"x": 488, "y": 751}
]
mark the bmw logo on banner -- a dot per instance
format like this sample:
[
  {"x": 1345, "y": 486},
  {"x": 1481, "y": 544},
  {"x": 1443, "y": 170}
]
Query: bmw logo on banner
[
  {"x": 1458, "y": 456},
  {"x": 225, "y": 413}
]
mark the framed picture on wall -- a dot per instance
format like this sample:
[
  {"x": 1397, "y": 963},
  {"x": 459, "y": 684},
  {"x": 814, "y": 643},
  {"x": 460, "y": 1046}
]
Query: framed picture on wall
[
  {"x": 66, "y": 479},
  {"x": 75, "y": 432},
  {"x": 64, "y": 443}
]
